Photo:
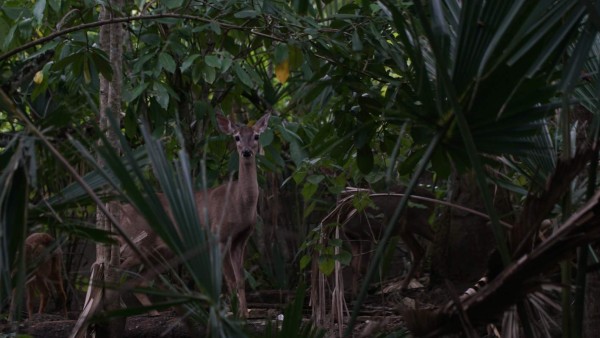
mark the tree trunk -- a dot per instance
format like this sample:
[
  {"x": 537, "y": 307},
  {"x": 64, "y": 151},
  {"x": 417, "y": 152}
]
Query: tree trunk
[{"x": 107, "y": 256}]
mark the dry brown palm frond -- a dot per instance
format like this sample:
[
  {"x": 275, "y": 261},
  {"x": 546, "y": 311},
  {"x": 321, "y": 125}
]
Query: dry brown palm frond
[{"x": 521, "y": 277}]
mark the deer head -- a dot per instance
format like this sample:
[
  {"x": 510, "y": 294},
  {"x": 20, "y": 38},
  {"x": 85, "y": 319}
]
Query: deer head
[{"x": 246, "y": 138}]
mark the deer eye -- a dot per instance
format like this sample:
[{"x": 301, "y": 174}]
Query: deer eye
[
  {"x": 256, "y": 137},
  {"x": 237, "y": 138}
]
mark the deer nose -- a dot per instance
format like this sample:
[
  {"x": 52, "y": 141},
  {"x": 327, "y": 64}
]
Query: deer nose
[{"x": 246, "y": 153}]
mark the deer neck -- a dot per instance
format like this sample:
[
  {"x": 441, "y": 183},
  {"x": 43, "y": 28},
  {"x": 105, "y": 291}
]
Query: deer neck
[{"x": 247, "y": 186}]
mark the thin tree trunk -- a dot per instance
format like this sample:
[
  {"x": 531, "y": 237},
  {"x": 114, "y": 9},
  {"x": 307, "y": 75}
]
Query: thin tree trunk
[
  {"x": 107, "y": 256},
  {"x": 112, "y": 259}
]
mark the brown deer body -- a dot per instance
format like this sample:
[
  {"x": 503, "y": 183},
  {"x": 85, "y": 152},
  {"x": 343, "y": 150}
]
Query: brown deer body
[
  {"x": 47, "y": 273},
  {"x": 363, "y": 228},
  {"x": 231, "y": 209}
]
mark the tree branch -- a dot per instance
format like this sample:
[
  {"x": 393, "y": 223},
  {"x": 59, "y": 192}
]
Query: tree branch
[{"x": 130, "y": 19}]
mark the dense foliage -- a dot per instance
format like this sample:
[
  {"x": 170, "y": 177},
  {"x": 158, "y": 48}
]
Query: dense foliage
[{"x": 362, "y": 93}]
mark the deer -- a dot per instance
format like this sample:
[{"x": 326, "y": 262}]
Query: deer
[
  {"x": 48, "y": 271},
  {"x": 363, "y": 228},
  {"x": 231, "y": 211}
]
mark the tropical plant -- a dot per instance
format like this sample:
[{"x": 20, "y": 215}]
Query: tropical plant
[{"x": 363, "y": 93}]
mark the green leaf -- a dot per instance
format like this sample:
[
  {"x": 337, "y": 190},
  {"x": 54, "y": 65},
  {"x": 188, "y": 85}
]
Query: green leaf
[
  {"x": 172, "y": 4},
  {"x": 133, "y": 94},
  {"x": 8, "y": 39},
  {"x": 308, "y": 190},
  {"x": 281, "y": 53},
  {"x": 213, "y": 61},
  {"x": 102, "y": 63},
  {"x": 326, "y": 265},
  {"x": 38, "y": 10},
  {"x": 243, "y": 75},
  {"x": 267, "y": 138},
  {"x": 188, "y": 62},
  {"x": 246, "y": 14},
  {"x": 226, "y": 63},
  {"x": 299, "y": 176},
  {"x": 166, "y": 62},
  {"x": 298, "y": 155},
  {"x": 209, "y": 74},
  {"x": 215, "y": 27},
  {"x": 315, "y": 179},
  {"x": 304, "y": 261},
  {"x": 162, "y": 95},
  {"x": 344, "y": 257},
  {"x": 357, "y": 45}
]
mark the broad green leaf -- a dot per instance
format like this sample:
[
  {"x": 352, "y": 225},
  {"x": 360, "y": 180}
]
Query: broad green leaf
[
  {"x": 38, "y": 10},
  {"x": 8, "y": 39},
  {"x": 212, "y": 61},
  {"x": 357, "y": 44},
  {"x": 226, "y": 63},
  {"x": 209, "y": 74},
  {"x": 326, "y": 265},
  {"x": 267, "y": 138},
  {"x": 281, "y": 53},
  {"x": 172, "y": 4},
  {"x": 189, "y": 61},
  {"x": 166, "y": 62},
  {"x": 130, "y": 95},
  {"x": 304, "y": 261},
  {"x": 315, "y": 179},
  {"x": 101, "y": 62},
  {"x": 246, "y": 14},
  {"x": 243, "y": 75},
  {"x": 344, "y": 257},
  {"x": 161, "y": 95},
  {"x": 308, "y": 190},
  {"x": 215, "y": 27}
]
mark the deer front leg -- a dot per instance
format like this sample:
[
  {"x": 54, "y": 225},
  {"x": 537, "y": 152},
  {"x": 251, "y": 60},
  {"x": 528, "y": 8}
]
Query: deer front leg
[
  {"x": 144, "y": 300},
  {"x": 234, "y": 274},
  {"x": 417, "y": 254},
  {"x": 141, "y": 297}
]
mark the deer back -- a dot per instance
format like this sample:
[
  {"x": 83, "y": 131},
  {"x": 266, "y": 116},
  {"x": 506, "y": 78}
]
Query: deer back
[
  {"x": 371, "y": 222},
  {"x": 36, "y": 246}
]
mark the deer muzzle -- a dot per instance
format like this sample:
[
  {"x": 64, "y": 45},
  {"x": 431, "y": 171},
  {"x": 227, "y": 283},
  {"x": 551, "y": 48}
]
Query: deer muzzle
[{"x": 247, "y": 153}]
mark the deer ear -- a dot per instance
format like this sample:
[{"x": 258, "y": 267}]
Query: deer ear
[
  {"x": 225, "y": 124},
  {"x": 261, "y": 125}
]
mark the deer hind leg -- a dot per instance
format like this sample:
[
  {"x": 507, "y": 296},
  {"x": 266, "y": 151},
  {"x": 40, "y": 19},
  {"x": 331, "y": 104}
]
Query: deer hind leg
[
  {"x": 29, "y": 295},
  {"x": 44, "y": 290},
  {"x": 57, "y": 279},
  {"x": 417, "y": 255},
  {"x": 360, "y": 254}
]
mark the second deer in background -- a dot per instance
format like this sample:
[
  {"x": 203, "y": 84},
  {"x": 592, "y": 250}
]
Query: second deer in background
[
  {"x": 47, "y": 274},
  {"x": 231, "y": 208},
  {"x": 363, "y": 228}
]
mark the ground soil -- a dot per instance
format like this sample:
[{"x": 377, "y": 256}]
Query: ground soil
[{"x": 381, "y": 313}]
